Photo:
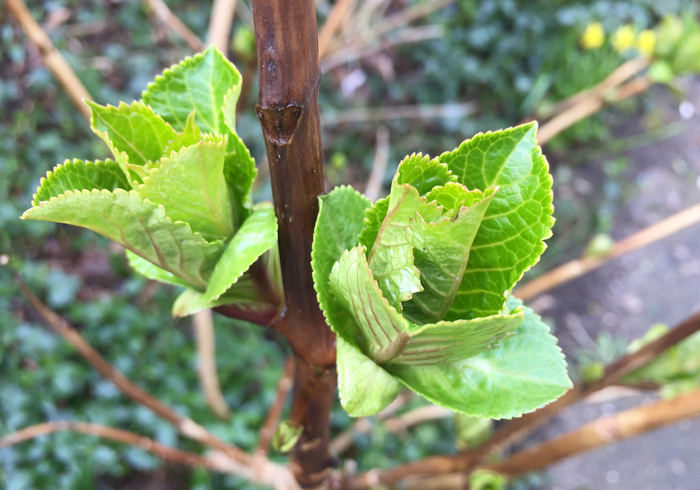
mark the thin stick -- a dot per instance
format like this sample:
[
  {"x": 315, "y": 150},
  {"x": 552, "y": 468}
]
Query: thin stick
[
  {"x": 220, "y": 24},
  {"x": 405, "y": 36},
  {"x": 203, "y": 323},
  {"x": 588, "y": 107},
  {"x": 578, "y": 267},
  {"x": 334, "y": 20},
  {"x": 519, "y": 428},
  {"x": 168, "y": 18},
  {"x": 407, "y": 16},
  {"x": 602, "y": 432},
  {"x": 417, "y": 416},
  {"x": 164, "y": 452},
  {"x": 185, "y": 425},
  {"x": 273, "y": 415},
  {"x": 381, "y": 159},
  {"x": 388, "y": 113},
  {"x": 53, "y": 60}
]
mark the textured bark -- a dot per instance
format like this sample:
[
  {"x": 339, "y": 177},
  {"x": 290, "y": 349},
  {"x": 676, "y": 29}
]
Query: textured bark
[{"x": 289, "y": 78}]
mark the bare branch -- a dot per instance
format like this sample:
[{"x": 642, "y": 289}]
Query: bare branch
[
  {"x": 602, "y": 432},
  {"x": 166, "y": 16},
  {"x": 283, "y": 387},
  {"x": 164, "y": 452},
  {"x": 334, "y": 21},
  {"x": 220, "y": 24},
  {"x": 381, "y": 158},
  {"x": 53, "y": 60},
  {"x": 388, "y": 113},
  {"x": 203, "y": 323},
  {"x": 578, "y": 267}
]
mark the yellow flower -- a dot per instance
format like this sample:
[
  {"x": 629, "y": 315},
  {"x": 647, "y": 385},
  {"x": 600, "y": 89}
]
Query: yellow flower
[
  {"x": 646, "y": 42},
  {"x": 593, "y": 37},
  {"x": 623, "y": 39}
]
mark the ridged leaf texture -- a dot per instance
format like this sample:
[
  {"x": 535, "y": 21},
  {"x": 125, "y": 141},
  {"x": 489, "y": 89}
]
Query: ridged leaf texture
[{"x": 80, "y": 175}]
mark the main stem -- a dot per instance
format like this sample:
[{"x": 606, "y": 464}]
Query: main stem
[{"x": 289, "y": 77}]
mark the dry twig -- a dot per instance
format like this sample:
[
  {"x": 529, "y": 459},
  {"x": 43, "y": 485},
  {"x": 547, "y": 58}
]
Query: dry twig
[
  {"x": 389, "y": 113},
  {"x": 381, "y": 158},
  {"x": 578, "y": 267},
  {"x": 203, "y": 323},
  {"x": 220, "y": 24},
  {"x": 53, "y": 60},
  {"x": 168, "y": 18},
  {"x": 273, "y": 415},
  {"x": 334, "y": 21}
]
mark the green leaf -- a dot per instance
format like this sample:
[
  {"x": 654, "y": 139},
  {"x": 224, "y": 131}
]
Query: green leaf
[
  {"x": 199, "y": 83},
  {"x": 525, "y": 373},
  {"x": 151, "y": 271},
  {"x": 379, "y": 330},
  {"x": 138, "y": 225},
  {"x": 391, "y": 259},
  {"x": 472, "y": 431},
  {"x": 78, "y": 175},
  {"x": 443, "y": 342},
  {"x": 208, "y": 84},
  {"x": 374, "y": 216},
  {"x": 286, "y": 436},
  {"x": 190, "y": 186},
  {"x": 257, "y": 235},
  {"x": 340, "y": 219},
  {"x": 134, "y": 130},
  {"x": 188, "y": 137},
  {"x": 423, "y": 174},
  {"x": 487, "y": 480},
  {"x": 519, "y": 218},
  {"x": 441, "y": 250},
  {"x": 243, "y": 295},
  {"x": 365, "y": 388}
]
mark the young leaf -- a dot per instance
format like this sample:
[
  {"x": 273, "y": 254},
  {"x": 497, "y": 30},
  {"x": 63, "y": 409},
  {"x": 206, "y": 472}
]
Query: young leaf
[
  {"x": 423, "y": 173},
  {"x": 379, "y": 329},
  {"x": 188, "y": 137},
  {"x": 153, "y": 272},
  {"x": 199, "y": 83},
  {"x": 441, "y": 251},
  {"x": 78, "y": 175},
  {"x": 374, "y": 216},
  {"x": 134, "y": 130},
  {"x": 444, "y": 342},
  {"x": 391, "y": 258},
  {"x": 242, "y": 296},
  {"x": 257, "y": 235},
  {"x": 138, "y": 225},
  {"x": 208, "y": 84},
  {"x": 340, "y": 218},
  {"x": 509, "y": 240},
  {"x": 526, "y": 372},
  {"x": 189, "y": 185},
  {"x": 365, "y": 388}
]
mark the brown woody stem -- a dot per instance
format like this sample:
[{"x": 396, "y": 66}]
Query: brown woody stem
[{"x": 289, "y": 78}]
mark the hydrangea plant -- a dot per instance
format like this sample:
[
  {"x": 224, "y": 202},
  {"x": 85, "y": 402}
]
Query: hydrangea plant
[{"x": 417, "y": 286}]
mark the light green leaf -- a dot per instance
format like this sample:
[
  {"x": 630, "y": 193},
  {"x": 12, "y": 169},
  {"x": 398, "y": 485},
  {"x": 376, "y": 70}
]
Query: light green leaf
[
  {"x": 441, "y": 250},
  {"x": 190, "y": 186},
  {"x": 257, "y": 235},
  {"x": 365, "y": 388},
  {"x": 340, "y": 218},
  {"x": 286, "y": 436},
  {"x": 443, "y": 342},
  {"x": 374, "y": 216},
  {"x": 208, "y": 84},
  {"x": 380, "y": 331},
  {"x": 134, "y": 130},
  {"x": 188, "y": 137},
  {"x": 423, "y": 173},
  {"x": 525, "y": 373},
  {"x": 138, "y": 225},
  {"x": 391, "y": 258},
  {"x": 472, "y": 431},
  {"x": 199, "y": 83},
  {"x": 78, "y": 175},
  {"x": 243, "y": 295},
  {"x": 151, "y": 271},
  {"x": 487, "y": 480},
  {"x": 509, "y": 240}
]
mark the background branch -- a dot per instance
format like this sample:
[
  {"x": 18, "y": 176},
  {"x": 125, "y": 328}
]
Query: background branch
[
  {"x": 578, "y": 267},
  {"x": 52, "y": 58},
  {"x": 269, "y": 426},
  {"x": 167, "y": 17},
  {"x": 381, "y": 159},
  {"x": 203, "y": 323},
  {"x": 220, "y": 24}
]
